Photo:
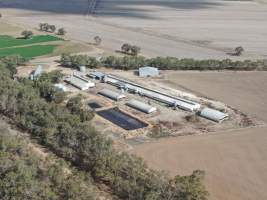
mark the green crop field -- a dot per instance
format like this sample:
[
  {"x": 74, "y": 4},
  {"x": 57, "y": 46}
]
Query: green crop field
[
  {"x": 29, "y": 51},
  {"x": 8, "y": 41}
]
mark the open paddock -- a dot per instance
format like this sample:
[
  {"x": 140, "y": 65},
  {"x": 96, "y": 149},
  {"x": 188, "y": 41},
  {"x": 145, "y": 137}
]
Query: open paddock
[
  {"x": 180, "y": 28},
  {"x": 235, "y": 161}
]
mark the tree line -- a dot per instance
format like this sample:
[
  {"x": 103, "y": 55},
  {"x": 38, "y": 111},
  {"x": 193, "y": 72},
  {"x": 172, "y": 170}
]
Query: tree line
[
  {"x": 163, "y": 63},
  {"x": 69, "y": 133}
]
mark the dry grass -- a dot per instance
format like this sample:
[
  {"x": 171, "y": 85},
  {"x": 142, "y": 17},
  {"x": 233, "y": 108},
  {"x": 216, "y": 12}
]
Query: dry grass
[{"x": 7, "y": 28}]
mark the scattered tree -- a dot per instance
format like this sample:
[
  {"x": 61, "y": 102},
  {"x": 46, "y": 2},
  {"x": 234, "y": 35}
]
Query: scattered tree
[
  {"x": 125, "y": 48},
  {"x": 97, "y": 40},
  {"x": 61, "y": 31},
  {"x": 238, "y": 51},
  {"x": 135, "y": 50},
  {"x": 52, "y": 28},
  {"x": 27, "y": 34}
]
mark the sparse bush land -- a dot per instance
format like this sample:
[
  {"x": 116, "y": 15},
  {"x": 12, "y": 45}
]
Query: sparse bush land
[
  {"x": 62, "y": 130},
  {"x": 163, "y": 63}
]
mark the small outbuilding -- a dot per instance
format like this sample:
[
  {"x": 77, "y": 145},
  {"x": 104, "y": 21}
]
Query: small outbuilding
[
  {"x": 97, "y": 75},
  {"x": 111, "y": 94},
  {"x": 82, "y": 69},
  {"x": 36, "y": 73},
  {"x": 148, "y": 71},
  {"x": 141, "y": 106},
  {"x": 213, "y": 115},
  {"x": 61, "y": 87}
]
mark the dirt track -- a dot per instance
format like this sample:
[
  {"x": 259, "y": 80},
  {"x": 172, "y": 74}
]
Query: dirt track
[
  {"x": 235, "y": 162},
  {"x": 198, "y": 29}
]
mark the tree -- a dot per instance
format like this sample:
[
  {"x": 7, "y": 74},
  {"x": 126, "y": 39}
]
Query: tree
[
  {"x": 125, "y": 48},
  {"x": 135, "y": 50},
  {"x": 238, "y": 51},
  {"x": 97, "y": 40},
  {"x": 61, "y": 31},
  {"x": 27, "y": 34},
  {"x": 52, "y": 28}
]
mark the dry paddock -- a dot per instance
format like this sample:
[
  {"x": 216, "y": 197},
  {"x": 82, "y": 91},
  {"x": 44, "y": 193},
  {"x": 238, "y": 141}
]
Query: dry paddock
[
  {"x": 180, "y": 28},
  {"x": 235, "y": 162}
]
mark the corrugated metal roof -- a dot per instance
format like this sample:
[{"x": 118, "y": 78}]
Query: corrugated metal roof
[
  {"x": 61, "y": 87},
  {"x": 97, "y": 74},
  {"x": 111, "y": 94},
  {"x": 213, "y": 115},
  {"x": 38, "y": 71},
  {"x": 141, "y": 106},
  {"x": 148, "y": 71},
  {"x": 154, "y": 94},
  {"x": 79, "y": 83}
]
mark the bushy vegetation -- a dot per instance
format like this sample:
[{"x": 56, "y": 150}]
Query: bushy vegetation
[
  {"x": 163, "y": 63},
  {"x": 75, "y": 61},
  {"x": 171, "y": 63},
  {"x": 24, "y": 175},
  {"x": 65, "y": 131}
]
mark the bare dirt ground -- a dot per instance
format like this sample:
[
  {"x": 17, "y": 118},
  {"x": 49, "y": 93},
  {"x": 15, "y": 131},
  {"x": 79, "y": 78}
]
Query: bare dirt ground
[
  {"x": 235, "y": 162},
  {"x": 197, "y": 29}
]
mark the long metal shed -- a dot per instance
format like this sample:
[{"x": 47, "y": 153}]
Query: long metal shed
[
  {"x": 153, "y": 94},
  {"x": 111, "y": 94},
  {"x": 141, "y": 106},
  {"x": 213, "y": 115},
  {"x": 80, "y": 83}
]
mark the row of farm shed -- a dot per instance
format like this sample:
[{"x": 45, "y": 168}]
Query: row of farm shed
[{"x": 128, "y": 86}]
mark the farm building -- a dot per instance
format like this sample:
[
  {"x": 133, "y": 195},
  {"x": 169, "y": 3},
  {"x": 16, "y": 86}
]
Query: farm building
[
  {"x": 153, "y": 94},
  {"x": 97, "y": 75},
  {"x": 141, "y": 106},
  {"x": 148, "y": 71},
  {"x": 213, "y": 115},
  {"x": 80, "y": 83},
  {"x": 36, "y": 73},
  {"x": 111, "y": 94},
  {"x": 61, "y": 87},
  {"x": 82, "y": 69}
]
